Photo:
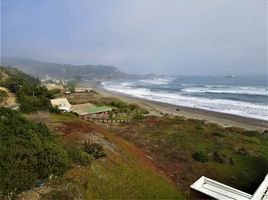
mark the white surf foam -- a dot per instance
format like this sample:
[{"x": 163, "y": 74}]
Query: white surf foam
[
  {"x": 157, "y": 81},
  {"x": 262, "y": 91},
  {"x": 219, "y": 105}
]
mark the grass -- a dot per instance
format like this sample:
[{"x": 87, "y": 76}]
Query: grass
[
  {"x": 97, "y": 109},
  {"x": 126, "y": 179},
  {"x": 124, "y": 174},
  {"x": 172, "y": 142}
]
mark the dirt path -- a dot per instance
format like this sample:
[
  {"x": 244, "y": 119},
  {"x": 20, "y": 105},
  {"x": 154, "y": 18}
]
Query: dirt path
[{"x": 11, "y": 99}]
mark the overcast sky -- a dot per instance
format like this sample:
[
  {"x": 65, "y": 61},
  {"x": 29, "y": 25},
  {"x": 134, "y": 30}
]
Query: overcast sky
[{"x": 180, "y": 37}]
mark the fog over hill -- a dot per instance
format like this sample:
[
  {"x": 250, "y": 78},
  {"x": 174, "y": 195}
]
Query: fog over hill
[{"x": 64, "y": 71}]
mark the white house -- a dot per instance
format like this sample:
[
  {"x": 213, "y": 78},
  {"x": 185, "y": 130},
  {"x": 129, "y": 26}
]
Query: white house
[{"x": 62, "y": 104}]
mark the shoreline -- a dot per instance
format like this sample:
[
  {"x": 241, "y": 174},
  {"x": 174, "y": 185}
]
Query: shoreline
[
  {"x": 196, "y": 113},
  {"x": 222, "y": 119}
]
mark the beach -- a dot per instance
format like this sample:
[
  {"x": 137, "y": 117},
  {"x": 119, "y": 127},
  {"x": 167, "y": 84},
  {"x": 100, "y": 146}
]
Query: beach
[{"x": 226, "y": 120}]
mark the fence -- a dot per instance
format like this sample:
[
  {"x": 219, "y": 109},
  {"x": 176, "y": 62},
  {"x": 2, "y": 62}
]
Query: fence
[{"x": 103, "y": 120}]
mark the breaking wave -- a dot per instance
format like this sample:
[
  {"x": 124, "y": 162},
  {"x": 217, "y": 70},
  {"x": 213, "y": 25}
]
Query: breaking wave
[{"x": 188, "y": 95}]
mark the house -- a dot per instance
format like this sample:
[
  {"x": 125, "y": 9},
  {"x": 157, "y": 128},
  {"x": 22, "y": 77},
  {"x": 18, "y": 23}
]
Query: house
[
  {"x": 100, "y": 112},
  {"x": 82, "y": 89},
  {"x": 205, "y": 188},
  {"x": 62, "y": 104}
]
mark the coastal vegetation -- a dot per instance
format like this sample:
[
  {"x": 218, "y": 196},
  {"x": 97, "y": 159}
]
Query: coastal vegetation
[
  {"x": 233, "y": 156},
  {"x": 143, "y": 160},
  {"x": 124, "y": 167},
  {"x": 31, "y": 95},
  {"x": 3, "y": 94},
  {"x": 28, "y": 153}
]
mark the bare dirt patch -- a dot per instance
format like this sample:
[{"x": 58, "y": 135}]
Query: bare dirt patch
[{"x": 10, "y": 100}]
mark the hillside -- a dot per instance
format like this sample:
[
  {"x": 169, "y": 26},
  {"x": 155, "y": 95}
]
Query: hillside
[
  {"x": 63, "y": 71},
  {"x": 29, "y": 92},
  {"x": 67, "y": 156},
  {"x": 6, "y": 72}
]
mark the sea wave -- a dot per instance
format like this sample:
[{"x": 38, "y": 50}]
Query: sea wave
[
  {"x": 240, "y": 108},
  {"x": 157, "y": 81},
  {"x": 262, "y": 91}
]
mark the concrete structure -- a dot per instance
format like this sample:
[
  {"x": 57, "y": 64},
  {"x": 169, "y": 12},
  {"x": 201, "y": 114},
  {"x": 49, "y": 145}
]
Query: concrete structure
[
  {"x": 205, "y": 188},
  {"x": 62, "y": 104}
]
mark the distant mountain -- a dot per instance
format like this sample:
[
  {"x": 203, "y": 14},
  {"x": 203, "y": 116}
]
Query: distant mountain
[{"x": 64, "y": 71}]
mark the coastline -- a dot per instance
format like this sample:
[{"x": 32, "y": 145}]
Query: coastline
[{"x": 222, "y": 119}]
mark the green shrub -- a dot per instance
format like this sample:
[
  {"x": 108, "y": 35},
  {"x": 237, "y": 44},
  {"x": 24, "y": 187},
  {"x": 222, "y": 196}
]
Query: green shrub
[
  {"x": 52, "y": 160},
  {"x": 3, "y": 94},
  {"x": 143, "y": 111},
  {"x": 133, "y": 106},
  {"x": 250, "y": 133},
  {"x": 54, "y": 110},
  {"x": 199, "y": 127},
  {"x": 218, "y": 134},
  {"x": 28, "y": 152},
  {"x": 94, "y": 149},
  {"x": 200, "y": 156},
  {"x": 79, "y": 156},
  {"x": 119, "y": 104},
  {"x": 235, "y": 130},
  {"x": 137, "y": 116},
  {"x": 179, "y": 118}
]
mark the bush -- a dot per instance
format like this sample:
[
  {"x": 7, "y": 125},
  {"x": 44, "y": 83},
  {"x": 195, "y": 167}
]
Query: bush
[
  {"x": 3, "y": 94},
  {"x": 133, "y": 106},
  {"x": 143, "y": 111},
  {"x": 137, "y": 116},
  {"x": 28, "y": 152},
  {"x": 251, "y": 133},
  {"x": 199, "y": 127},
  {"x": 54, "y": 110},
  {"x": 218, "y": 134},
  {"x": 235, "y": 130},
  {"x": 119, "y": 104},
  {"x": 79, "y": 156},
  {"x": 94, "y": 149},
  {"x": 52, "y": 160},
  {"x": 179, "y": 118},
  {"x": 200, "y": 156}
]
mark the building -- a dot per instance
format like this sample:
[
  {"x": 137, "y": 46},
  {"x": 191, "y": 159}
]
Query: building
[
  {"x": 100, "y": 112},
  {"x": 205, "y": 188},
  {"x": 62, "y": 104},
  {"x": 82, "y": 89}
]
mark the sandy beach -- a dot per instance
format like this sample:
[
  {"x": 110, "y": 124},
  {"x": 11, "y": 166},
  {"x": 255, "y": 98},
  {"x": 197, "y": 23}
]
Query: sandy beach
[{"x": 210, "y": 116}]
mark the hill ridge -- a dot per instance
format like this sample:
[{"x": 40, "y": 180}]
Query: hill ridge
[{"x": 44, "y": 69}]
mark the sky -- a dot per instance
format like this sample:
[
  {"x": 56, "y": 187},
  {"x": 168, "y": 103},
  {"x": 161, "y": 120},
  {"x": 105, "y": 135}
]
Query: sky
[{"x": 175, "y": 37}]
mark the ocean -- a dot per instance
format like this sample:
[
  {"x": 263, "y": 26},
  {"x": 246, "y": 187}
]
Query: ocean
[{"x": 244, "y": 96}]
